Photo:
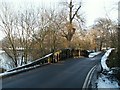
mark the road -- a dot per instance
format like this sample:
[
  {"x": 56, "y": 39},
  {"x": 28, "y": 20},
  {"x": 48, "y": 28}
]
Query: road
[{"x": 70, "y": 73}]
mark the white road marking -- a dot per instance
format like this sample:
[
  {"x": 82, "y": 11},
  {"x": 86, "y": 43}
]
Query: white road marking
[{"x": 88, "y": 78}]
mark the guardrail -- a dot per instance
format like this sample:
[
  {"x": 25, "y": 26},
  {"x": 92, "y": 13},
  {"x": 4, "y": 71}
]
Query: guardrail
[
  {"x": 53, "y": 58},
  {"x": 36, "y": 62}
]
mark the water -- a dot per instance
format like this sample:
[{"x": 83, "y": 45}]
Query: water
[{"x": 5, "y": 61}]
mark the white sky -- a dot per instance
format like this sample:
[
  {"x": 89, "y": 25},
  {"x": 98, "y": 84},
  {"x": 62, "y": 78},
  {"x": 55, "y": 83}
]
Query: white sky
[
  {"x": 100, "y": 8},
  {"x": 93, "y": 8}
]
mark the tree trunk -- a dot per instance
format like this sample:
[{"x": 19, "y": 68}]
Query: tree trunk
[
  {"x": 101, "y": 44},
  {"x": 118, "y": 30},
  {"x": 118, "y": 47}
]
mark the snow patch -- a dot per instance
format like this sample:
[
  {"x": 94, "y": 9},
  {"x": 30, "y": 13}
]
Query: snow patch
[
  {"x": 1, "y": 51},
  {"x": 94, "y": 54},
  {"x": 104, "y": 82},
  {"x": 48, "y": 55},
  {"x": 107, "y": 80},
  {"x": 104, "y": 58},
  {"x": 17, "y": 71}
]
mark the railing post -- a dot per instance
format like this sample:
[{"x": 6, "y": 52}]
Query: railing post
[
  {"x": 79, "y": 52},
  {"x": 58, "y": 56},
  {"x": 49, "y": 60},
  {"x": 55, "y": 57}
]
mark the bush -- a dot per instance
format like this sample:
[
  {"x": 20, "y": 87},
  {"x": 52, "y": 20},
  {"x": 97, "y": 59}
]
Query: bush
[
  {"x": 113, "y": 60},
  {"x": 84, "y": 53}
]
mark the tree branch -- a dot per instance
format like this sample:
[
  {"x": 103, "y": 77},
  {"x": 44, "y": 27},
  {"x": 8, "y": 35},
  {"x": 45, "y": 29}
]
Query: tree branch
[{"x": 76, "y": 12}]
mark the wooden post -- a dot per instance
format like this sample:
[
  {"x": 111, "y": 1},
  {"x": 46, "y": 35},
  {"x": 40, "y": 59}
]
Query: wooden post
[{"x": 49, "y": 60}]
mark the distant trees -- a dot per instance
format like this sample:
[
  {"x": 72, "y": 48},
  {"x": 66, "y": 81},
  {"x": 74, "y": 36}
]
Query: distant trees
[
  {"x": 105, "y": 33},
  {"x": 30, "y": 33},
  {"x": 114, "y": 38},
  {"x": 37, "y": 32}
]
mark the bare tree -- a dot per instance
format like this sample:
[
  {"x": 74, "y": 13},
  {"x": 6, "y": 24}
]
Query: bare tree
[
  {"x": 26, "y": 25},
  {"x": 73, "y": 12},
  {"x": 18, "y": 27},
  {"x": 106, "y": 31},
  {"x": 7, "y": 25}
]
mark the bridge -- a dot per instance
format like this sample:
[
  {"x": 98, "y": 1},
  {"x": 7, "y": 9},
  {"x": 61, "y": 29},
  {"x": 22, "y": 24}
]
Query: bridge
[{"x": 56, "y": 70}]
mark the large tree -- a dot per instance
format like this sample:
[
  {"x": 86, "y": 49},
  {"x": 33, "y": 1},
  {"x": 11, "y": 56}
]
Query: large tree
[{"x": 70, "y": 26}]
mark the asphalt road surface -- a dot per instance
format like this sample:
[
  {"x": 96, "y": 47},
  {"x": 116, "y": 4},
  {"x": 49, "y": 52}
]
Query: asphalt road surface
[{"x": 70, "y": 73}]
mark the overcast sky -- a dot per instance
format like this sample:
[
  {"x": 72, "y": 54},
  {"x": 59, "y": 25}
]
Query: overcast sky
[{"x": 93, "y": 8}]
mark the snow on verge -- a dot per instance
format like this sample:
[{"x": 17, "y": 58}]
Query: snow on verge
[
  {"x": 94, "y": 54},
  {"x": 104, "y": 82},
  {"x": 104, "y": 58},
  {"x": 17, "y": 71}
]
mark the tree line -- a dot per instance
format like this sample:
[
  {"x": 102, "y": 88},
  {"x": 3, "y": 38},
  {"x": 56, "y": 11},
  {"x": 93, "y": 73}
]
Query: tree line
[{"x": 37, "y": 32}]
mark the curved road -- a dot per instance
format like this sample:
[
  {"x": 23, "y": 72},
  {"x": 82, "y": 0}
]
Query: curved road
[{"x": 70, "y": 73}]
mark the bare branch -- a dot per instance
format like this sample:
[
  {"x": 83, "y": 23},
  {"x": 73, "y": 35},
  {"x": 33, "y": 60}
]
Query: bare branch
[{"x": 76, "y": 12}]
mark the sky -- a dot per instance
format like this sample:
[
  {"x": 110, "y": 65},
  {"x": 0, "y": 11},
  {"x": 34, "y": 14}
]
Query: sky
[
  {"x": 100, "y": 8},
  {"x": 92, "y": 9}
]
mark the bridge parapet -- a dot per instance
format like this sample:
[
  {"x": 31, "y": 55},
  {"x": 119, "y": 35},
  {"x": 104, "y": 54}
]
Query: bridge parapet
[{"x": 50, "y": 58}]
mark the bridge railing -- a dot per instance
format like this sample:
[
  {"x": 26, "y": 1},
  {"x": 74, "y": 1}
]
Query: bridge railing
[
  {"x": 53, "y": 58},
  {"x": 39, "y": 61}
]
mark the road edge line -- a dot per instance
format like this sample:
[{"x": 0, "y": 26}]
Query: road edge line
[{"x": 88, "y": 78}]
